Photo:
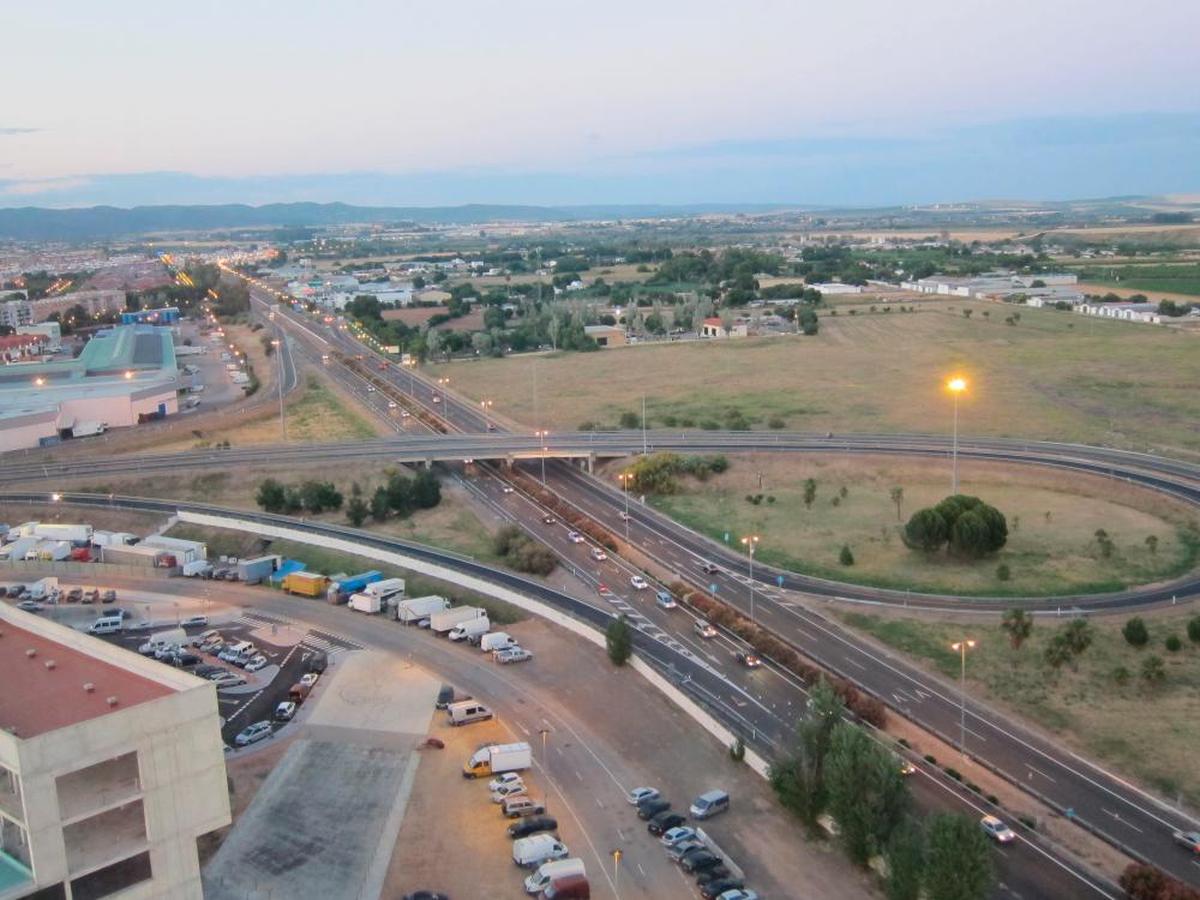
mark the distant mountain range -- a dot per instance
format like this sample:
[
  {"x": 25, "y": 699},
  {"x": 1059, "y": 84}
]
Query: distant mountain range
[{"x": 31, "y": 223}]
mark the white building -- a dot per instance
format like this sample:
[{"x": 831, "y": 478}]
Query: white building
[
  {"x": 111, "y": 767},
  {"x": 1146, "y": 313},
  {"x": 836, "y": 287}
]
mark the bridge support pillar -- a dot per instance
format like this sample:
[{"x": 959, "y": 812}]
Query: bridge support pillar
[
  {"x": 591, "y": 464},
  {"x": 428, "y": 463},
  {"x": 509, "y": 461}
]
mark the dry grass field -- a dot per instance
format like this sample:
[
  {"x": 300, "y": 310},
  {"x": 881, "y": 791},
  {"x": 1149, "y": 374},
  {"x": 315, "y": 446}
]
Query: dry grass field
[
  {"x": 1054, "y": 375},
  {"x": 1052, "y": 517},
  {"x": 1101, "y": 707}
]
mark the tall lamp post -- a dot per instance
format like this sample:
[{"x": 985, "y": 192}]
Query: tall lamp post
[
  {"x": 625, "y": 478},
  {"x": 544, "y": 732},
  {"x": 541, "y": 436},
  {"x": 962, "y": 647},
  {"x": 278, "y": 345},
  {"x": 956, "y": 386},
  {"x": 616, "y": 855},
  {"x": 750, "y": 543}
]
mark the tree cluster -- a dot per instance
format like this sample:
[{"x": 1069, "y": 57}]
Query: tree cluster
[
  {"x": 522, "y": 552},
  {"x": 403, "y": 495},
  {"x": 309, "y": 496},
  {"x": 658, "y": 473},
  {"x": 966, "y": 525}
]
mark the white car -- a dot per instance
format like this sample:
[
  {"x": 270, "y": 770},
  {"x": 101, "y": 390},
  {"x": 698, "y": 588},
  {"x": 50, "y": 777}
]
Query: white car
[
  {"x": 252, "y": 733},
  {"x": 599, "y": 555},
  {"x": 997, "y": 830},
  {"x": 513, "y": 789},
  {"x": 392, "y": 404},
  {"x": 639, "y": 583},
  {"x": 192, "y": 621},
  {"x": 673, "y": 836},
  {"x": 638, "y": 794},
  {"x": 511, "y": 655},
  {"x": 437, "y": 399},
  {"x": 285, "y": 710},
  {"x": 738, "y": 894},
  {"x": 370, "y": 388},
  {"x": 506, "y": 778},
  {"x": 259, "y": 662},
  {"x": 228, "y": 680},
  {"x": 704, "y": 629},
  {"x": 574, "y": 537},
  {"x": 310, "y": 680},
  {"x": 507, "y": 489}
]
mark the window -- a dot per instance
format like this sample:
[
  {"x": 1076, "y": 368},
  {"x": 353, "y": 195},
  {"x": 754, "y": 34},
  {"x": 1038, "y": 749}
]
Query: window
[{"x": 110, "y": 879}]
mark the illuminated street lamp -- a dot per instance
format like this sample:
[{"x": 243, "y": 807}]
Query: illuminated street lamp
[
  {"x": 956, "y": 386},
  {"x": 750, "y": 543},
  {"x": 962, "y": 647},
  {"x": 541, "y": 436},
  {"x": 486, "y": 404}
]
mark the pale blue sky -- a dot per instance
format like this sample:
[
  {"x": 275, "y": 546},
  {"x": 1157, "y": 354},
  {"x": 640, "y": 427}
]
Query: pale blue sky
[{"x": 859, "y": 101}]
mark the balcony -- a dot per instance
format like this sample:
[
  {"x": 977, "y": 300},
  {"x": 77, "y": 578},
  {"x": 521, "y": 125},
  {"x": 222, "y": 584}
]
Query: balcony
[
  {"x": 105, "y": 838},
  {"x": 97, "y": 788},
  {"x": 10, "y": 795}
]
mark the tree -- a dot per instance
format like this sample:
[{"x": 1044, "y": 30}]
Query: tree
[
  {"x": 426, "y": 490},
  {"x": 1058, "y": 651},
  {"x": 619, "y": 640},
  {"x": 926, "y": 530},
  {"x": 897, "y": 495},
  {"x": 1152, "y": 544},
  {"x": 799, "y": 778},
  {"x": 1078, "y": 634},
  {"x": 809, "y": 323},
  {"x": 357, "y": 511},
  {"x": 1136, "y": 633},
  {"x": 271, "y": 496},
  {"x": 810, "y": 492},
  {"x": 381, "y": 506},
  {"x": 318, "y": 496},
  {"x": 1018, "y": 625},
  {"x": 906, "y": 862},
  {"x": 846, "y": 557},
  {"x": 1154, "y": 672},
  {"x": 958, "y": 860},
  {"x": 867, "y": 794},
  {"x": 1193, "y": 629},
  {"x": 1104, "y": 542}
]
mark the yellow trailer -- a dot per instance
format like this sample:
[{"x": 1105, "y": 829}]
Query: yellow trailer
[{"x": 307, "y": 584}]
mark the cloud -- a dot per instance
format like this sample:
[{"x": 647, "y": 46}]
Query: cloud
[
  {"x": 10, "y": 131},
  {"x": 38, "y": 186}
]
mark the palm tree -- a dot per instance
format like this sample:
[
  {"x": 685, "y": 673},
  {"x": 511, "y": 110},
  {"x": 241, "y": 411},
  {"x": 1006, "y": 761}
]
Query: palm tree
[{"x": 1019, "y": 625}]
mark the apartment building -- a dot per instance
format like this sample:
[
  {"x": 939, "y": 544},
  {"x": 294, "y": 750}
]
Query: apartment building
[{"x": 111, "y": 767}]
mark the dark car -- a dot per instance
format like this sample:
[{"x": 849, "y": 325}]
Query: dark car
[
  {"x": 110, "y": 596},
  {"x": 16, "y": 590},
  {"x": 716, "y": 873},
  {"x": 318, "y": 662},
  {"x": 699, "y": 861},
  {"x": 532, "y": 825},
  {"x": 183, "y": 660},
  {"x": 426, "y": 895},
  {"x": 206, "y": 670},
  {"x": 648, "y": 809},
  {"x": 664, "y": 821},
  {"x": 717, "y": 886},
  {"x": 445, "y": 697}
]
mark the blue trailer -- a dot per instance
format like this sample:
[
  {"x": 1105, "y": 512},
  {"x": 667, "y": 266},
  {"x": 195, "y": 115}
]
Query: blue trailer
[{"x": 356, "y": 583}]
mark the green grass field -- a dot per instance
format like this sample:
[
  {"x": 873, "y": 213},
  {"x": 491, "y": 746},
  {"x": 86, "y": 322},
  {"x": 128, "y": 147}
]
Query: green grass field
[
  {"x": 1178, "y": 279},
  {"x": 1145, "y": 732},
  {"x": 1052, "y": 519},
  {"x": 1054, "y": 375}
]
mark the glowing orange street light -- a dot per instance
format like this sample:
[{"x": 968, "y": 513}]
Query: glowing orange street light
[
  {"x": 956, "y": 386},
  {"x": 961, "y": 647}
]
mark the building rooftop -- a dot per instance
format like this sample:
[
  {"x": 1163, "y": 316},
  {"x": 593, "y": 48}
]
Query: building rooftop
[{"x": 48, "y": 670}]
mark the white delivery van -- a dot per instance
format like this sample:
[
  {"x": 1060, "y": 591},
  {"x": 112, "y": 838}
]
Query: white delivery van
[
  {"x": 106, "y": 625},
  {"x": 539, "y": 848},
  {"x": 467, "y": 711},
  {"x": 547, "y": 872},
  {"x": 496, "y": 640},
  {"x": 470, "y": 630}
]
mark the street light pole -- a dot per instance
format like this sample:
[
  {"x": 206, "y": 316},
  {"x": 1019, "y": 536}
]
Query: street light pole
[
  {"x": 625, "y": 476},
  {"x": 541, "y": 436},
  {"x": 616, "y": 854},
  {"x": 750, "y": 543},
  {"x": 962, "y": 647},
  {"x": 278, "y": 342},
  {"x": 956, "y": 386}
]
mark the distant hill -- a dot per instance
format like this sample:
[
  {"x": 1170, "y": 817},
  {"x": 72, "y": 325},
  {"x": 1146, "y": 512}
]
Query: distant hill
[{"x": 31, "y": 223}]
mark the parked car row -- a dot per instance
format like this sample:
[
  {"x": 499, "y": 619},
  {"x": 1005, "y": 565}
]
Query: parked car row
[{"x": 31, "y": 598}]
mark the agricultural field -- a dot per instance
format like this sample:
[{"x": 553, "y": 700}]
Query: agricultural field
[
  {"x": 1164, "y": 279},
  {"x": 1052, "y": 516},
  {"x": 1052, "y": 375},
  {"x": 1100, "y": 704}
]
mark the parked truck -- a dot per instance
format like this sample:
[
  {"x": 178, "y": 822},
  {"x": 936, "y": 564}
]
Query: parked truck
[
  {"x": 307, "y": 584},
  {"x": 470, "y": 630},
  {"x": 367, "y": 603},
  {"x": 88, "y": 429},
  {"x": 43, "y": 588},
  {"x": 497, "y": 758},
  {"x": 254, "y": 571},
  {"x": 17, "y": 549},
  {"x": 357, "y": 584},
  {"x": 417, "y": 608},
  {"x": 49, "y": 550},
  {"x": 384, "y": 588},
  {"x": 199, "y": 568},
  {"x": 111, "y": 538},
  {"x": 79, "y": 535},
  {"x": 441, "y": 622},
  {"x": 496, "y": 640}
]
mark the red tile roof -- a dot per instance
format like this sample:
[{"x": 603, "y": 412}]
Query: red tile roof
[{"x": 37, "y": 698}]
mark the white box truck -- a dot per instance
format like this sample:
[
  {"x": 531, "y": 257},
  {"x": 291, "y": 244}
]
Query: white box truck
[
  {"x": 495, "y": 759},
  {"x": 389, "y": 587},
  {"x": 88, "y": 429},
  {"x": 530, "y": 852},
  {"x": 415, "y": 609},
  {"x": 79, "y": 535},
  {"x": 470, "y": 630},
  {"x": 42, "y": 589},
  {"x": 197, "y": 568},
  {"x": 496, "y": 640},
  {"x": 547, "y": 872},
  {"x": 366, "y": 603},
  {"x": 443, "y": 621}
]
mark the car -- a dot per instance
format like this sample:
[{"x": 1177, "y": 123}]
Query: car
[
  {"x": 182, "y": 660},
  {"x": 511, "y": 655},
  {"x": 30, "y": 606},
  {"x": 117, "y": 611},
  {"x": 638, "y": 794},
  {"x": 506, "y": 778},
  {"x": 318, "y": 662},
  {"x": 520, "y": 806},
  {"x": 205, "y": 670},
  {"x": 204, "y": 637},
  {"x": 310, "y": 679},
  {"x": 227, "y": 653},
  {"x": 699, "y": 861},
  {"x": 392, "y": 404},
  {"x": 599, "y": 555},
  {"x": 715, "y": 887},
  {"x": 91, "y": 595},
  {"x": 16, "y": 590},
  {"x": 548, "y": 519},
  {"x": 370, "y": 388},
  {"x": 648, "y": 809},
  {"x": 997, "y": 830},
  {"x": 738, "y": 894},
  {"x": 574, "y": 537},
  {"x": 212, "y": 645},
  {"x": 437, "y": 399},
  {"x": 512, "y": 789},
  {"x": 625, "y": 517},
  {"x": 639, "y": 583},
  {"x": 194, "y": 622},
  {"x": 228, "y": 680},
  {"x": 426, "y": 895},
  {"x": 704, "y": 629},
  {"x": 166, "y": 651},
  {"x": 285, "y": 711},
  {"x": 716, "y": 873},
  {"x": 532, "y": 825},
  {"x": 404, "y": 414},
  {"x": 257, "y": 663},
  {"x": 253, "y": 733},
  {"x": 507, "y": 489},
  {"x": 673, "y": 836},
  {"x": 681, "y": 848},
  {"x": 665, "y": 600},
  {"x": 424, "y": 623},
  {"x": 665, "y": 821},
  {"x": 749, "y": 660},
  {"x": 907, "y": 768},
  {"x": 1189, "y": 839},
  {"x": 709, "y": 568},
  {"x": 110, "y": 596},
  {"x": 74, "y": 595}
]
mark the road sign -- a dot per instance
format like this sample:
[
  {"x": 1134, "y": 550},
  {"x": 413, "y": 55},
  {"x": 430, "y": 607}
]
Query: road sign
[
  {"x": 712, "y": 588},
  {"x": 727, "y": 537},
  {"x": 779, "y": 580}
]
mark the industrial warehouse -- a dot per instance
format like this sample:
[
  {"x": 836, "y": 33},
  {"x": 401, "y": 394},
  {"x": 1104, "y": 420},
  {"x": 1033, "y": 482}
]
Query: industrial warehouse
[{"x": 125, "y": 375}]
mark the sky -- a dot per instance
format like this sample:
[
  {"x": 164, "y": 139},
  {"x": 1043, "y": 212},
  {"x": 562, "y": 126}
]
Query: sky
[{"x": 858, "y": 102}]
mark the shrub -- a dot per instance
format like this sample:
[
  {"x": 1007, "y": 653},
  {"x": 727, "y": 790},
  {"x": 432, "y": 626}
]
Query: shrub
[
  {"x": 846, "y": 557},
  {"x": 929, "y": 758},
  {"x": 1121, "y": 675},
  {"x": 1136, "y": 633},
  {"x": 776, "y": 422},
  {"x": 954, "y": 773},
  {"x": 1173, "y": 643},
  {"x": 992, "y": 799},
  {"x": 619, "y": 641},
  {"x": 1193, "y": 630},
  {"x": 1003, "y": 572}
]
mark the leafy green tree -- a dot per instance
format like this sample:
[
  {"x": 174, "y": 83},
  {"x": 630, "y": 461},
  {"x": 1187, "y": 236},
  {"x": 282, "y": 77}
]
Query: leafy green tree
[
  {"x": 271, "y": 496},
  {"x": 619, "y": 640},
  {"x": 1136, "y": 633},
  {"x": 958, "y": 860},
  {"x": 799, "y": 778},
  {"x": 926, "y": 530},
  {"x": 810, "y": 491},
  {"x": 809, "y": 323},
  {"x": 906, "y": 862},
  {"x": 846, "y": 557},
  {"x": 1104, "y": 542},
  {"x": 319, "y": 496},
  {"x": 1058, "y": 651},
  {"x": 1018, "y": 625},
  {"x": 426, "y": 490},
  {"x": 357, "y": 511},
  {"x": 1193, "y": 629},
  {"x": 868, "y": 797},
  {"x": 1152, "y": 544},
  {"x": 400, "y": 494},
  {"x": 1173, "y": 643},
  {"x": 381, "y": 506}
]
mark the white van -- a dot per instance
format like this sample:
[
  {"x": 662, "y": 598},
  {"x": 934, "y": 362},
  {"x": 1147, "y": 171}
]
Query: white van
[
  {"x": 496, "y": 640},
  {"x": 709, "y": 804},
  {"x": 539, "y": 848},
  {"x": 466, "y": 711},
  {"x": 106, "y": 625},
  {"x": 547, "y": 872}
]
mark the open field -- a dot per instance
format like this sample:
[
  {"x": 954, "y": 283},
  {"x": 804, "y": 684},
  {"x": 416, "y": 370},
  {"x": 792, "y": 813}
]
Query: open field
[
  {"x": 1054, "y": 375},
  {"x": 1052, "y": 517},
  {"x": 1178, "y": 279},
  {"x": 611, "y": 274},
  {"x": 1141, "y": 731},
  {"x": 1124, "y": 290}
]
